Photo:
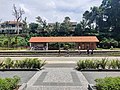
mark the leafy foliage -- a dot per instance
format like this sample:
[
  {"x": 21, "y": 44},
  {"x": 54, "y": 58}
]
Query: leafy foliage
[
  {"x": 103, "y": 63},
  {"x": 9, "y": 83},
  {"x": 87, "y": 64},
  {"x": 107, "y": 43},
  {"x": 8, "y": 63},
  {"x": 106, "y": 21},
  {"x": 98, "y": 64},
  {"x": 108, "y": 83},
  {"x": 26, "y": 63},
  {"x": 102, "y": 21}
]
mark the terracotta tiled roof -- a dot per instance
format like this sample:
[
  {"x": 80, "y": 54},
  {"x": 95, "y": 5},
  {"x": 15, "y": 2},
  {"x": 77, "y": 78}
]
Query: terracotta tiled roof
[
  {"x": 11, "y": 22},
  {"x": 65, "y": 39}
]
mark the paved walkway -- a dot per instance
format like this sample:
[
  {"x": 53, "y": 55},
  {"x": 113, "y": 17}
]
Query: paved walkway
[
  {"x": 59, "y": 74},
  {"x": 57, "y": 79}
]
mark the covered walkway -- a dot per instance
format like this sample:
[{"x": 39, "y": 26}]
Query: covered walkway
[{"x": 81, "y": 42}]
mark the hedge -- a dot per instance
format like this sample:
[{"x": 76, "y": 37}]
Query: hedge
[
  {"x": 9, "y": 83},
  {"x": 98, "y": 64},
  {"x": 27, "y": 63},
  {"x": 108, "y": 83}
]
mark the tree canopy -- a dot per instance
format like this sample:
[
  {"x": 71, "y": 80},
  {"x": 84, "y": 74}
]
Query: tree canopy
[{"x": 102, "y": 21}]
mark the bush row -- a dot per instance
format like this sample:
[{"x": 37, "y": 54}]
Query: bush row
[
  {"x": 98, "y": 64},
  {"x": 108, "y": 83},
  {"x": 9, "y": 83},
  {"x": 28, "y": 63}
]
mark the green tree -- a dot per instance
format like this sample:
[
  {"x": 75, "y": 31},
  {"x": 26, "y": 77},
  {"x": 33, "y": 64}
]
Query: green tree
[
  {"x": 78, "y": 30},
  {"x": 33, "y": 27},
  {"x": 42, "y": 26},
  {"x": 65, "y": 27},
  {"x": 25, "y": 26},
  {"x": 105, "y": 19},
  {"x": 112, "y": 13},
  {"x": 54, "y": 29},
  {"x": 108, "y": 42}
]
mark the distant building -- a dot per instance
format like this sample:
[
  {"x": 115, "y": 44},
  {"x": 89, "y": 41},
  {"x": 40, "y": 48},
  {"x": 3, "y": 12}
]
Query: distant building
[
  {"x": 73, "y": 24},
  {"x": 51, "y": 24},
  {"x": 10, "y": 27},
  {"x": 84, "y": 42}
]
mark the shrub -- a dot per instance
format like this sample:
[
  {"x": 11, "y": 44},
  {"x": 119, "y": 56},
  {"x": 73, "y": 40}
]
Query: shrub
[
  {"x": 96, "y": 64},
  {"x": 8, "y": 63},
  {"x": 118, "y": 63},
  {"x": 87, "y": 64},
  {"x": 103, "y": 63},
  {"x": 108, "y": 83},
  {"x": 37, "y": 63},
  {"x": 21, "y": 41},
  {"x": 16, "y": 64},
  {"x": 113, "y": 64},
  {"x": 26, "y": 63},
  {"x": 1, "y": 64},
  {"x": 9, "y": 83},
  {"x": 108, "y": 42},
  {"x": 31, "y": 63},
  {"x": 90, "y": 64},
  {"x": 81, "y": 65}
]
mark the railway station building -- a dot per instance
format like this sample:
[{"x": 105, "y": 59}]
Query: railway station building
[{"x": 81, "y": 42}]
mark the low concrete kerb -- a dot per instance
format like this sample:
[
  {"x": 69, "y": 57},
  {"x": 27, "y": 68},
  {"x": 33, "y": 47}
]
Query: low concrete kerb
[
  {"x": 23, "y": 86},
  {"x": 91, "y": 87}
]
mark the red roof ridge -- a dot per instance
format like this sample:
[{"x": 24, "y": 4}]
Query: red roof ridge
[{"x": 65, "y": 39}]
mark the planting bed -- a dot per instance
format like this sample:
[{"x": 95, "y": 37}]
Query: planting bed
[{"x": 92, "y": 75}]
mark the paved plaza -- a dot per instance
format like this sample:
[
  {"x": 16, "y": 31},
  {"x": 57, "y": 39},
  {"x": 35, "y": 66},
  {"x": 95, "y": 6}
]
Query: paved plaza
[
  {"x": 61, "y": 77},
  {"x": 59, "y": 74},
  {"x": 58, "y": 79}
]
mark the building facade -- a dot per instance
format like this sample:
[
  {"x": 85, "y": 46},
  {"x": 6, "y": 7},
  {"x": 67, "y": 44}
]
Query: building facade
[
  {"x": 73, "y": 25},
  {"x": 10, "y": 27},
  {"x": 82, "y": 42}
]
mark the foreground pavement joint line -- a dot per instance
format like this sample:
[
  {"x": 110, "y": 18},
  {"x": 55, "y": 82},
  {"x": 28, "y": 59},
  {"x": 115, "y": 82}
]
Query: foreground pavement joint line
[
  {"x": 83, "y": 80},
  {"x": 57, "y": 79},
  {"x": 34, "y": 78}
]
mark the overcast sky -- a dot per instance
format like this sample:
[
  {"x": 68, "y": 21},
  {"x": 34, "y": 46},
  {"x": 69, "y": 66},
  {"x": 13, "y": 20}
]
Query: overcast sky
[{"x": 49, "y": 10}]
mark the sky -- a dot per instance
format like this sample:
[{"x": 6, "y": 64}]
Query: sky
[{"x": 49, "y": 10}]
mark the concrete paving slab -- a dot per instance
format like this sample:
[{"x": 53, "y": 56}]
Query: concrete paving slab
[
  {"x": 60, "y": 65},
  {"x": 24, "y": 75}
]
